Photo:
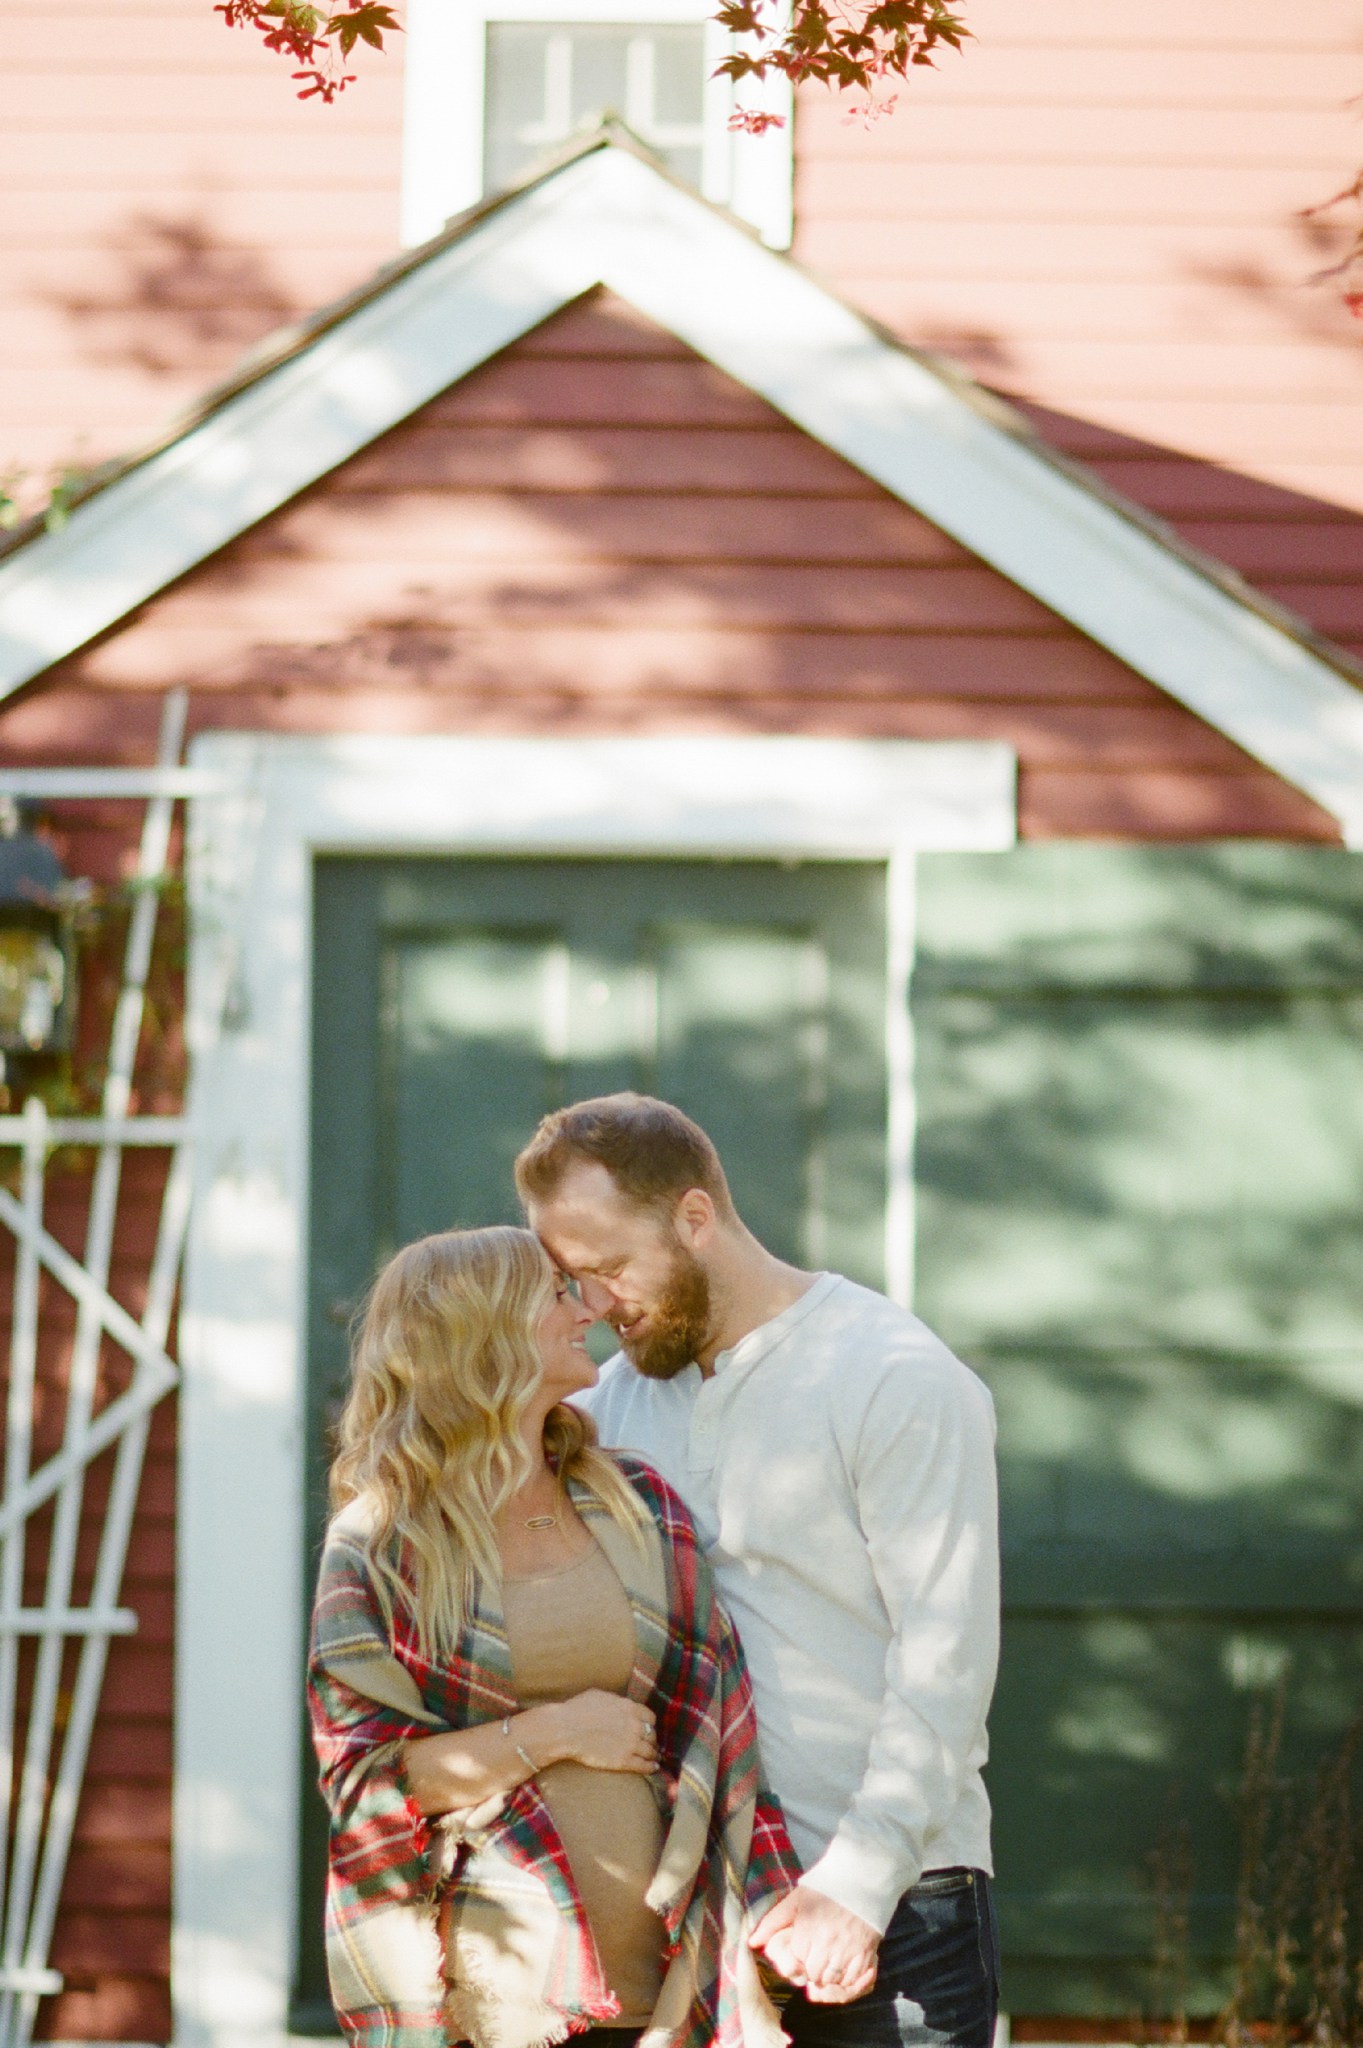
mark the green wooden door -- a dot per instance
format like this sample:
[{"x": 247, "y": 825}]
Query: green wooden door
[
  {"x": 456, "y": 1001},
  {"x": 1140, "y": 1170}
]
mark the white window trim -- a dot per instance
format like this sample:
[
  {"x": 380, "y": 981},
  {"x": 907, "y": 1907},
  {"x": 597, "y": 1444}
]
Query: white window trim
[
  {"x": 241, "y": 1570},
  {"x": 442, "y": 146}
]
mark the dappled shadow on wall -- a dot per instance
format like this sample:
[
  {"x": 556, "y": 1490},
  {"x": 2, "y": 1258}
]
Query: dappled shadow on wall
[
  {"x": 182, "y": 299},
  {"x": 1304, "y": 552},
  {"x": 1141, "y": 1188}
]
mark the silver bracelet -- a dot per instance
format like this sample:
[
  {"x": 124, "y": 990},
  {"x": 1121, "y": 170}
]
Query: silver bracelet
[{"x": 524, "y": 1755}]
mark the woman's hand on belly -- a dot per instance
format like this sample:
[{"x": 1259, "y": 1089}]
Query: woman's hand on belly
[{"x": 602, "y": 1730}]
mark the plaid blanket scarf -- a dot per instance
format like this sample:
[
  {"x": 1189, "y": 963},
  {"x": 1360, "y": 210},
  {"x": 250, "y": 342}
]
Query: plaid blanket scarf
[{"x": 394, "y": 1876}]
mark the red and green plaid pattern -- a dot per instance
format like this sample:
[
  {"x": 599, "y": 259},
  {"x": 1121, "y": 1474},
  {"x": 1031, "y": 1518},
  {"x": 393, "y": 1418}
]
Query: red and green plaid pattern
[{"x": 727, "y": 1856}]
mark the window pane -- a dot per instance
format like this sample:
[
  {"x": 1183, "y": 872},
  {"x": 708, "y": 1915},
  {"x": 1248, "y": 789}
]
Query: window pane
[
  {"x": 515, "y": 75},
  {"x": 546, "y": 80},
  {"x": 600, "y": 59},
  {"x": 679, "y": 76}
]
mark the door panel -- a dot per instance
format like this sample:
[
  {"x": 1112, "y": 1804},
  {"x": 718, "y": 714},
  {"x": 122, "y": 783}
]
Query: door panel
[
  {"x": 455, "y": 1001},
  {"x": 466, "y": 1025},
  {"x": 1140, "y": 1191},
  {"x": 742, "y": 1024}
]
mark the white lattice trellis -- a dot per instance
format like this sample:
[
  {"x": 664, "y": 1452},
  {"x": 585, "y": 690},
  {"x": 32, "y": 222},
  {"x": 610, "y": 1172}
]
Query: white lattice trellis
[{"x": 39, "y": 1793}]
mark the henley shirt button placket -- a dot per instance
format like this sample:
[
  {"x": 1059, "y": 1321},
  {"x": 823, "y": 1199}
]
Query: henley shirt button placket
[
  {"x": 703, "y": 1442},
  {"x": 703, "y": 1445}
]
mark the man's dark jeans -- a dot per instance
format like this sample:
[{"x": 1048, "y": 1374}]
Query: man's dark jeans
[{"x": 937, "y": 1983}]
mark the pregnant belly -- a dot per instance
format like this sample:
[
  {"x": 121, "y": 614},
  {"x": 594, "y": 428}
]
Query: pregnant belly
[{"x": 612, "y": 1831}]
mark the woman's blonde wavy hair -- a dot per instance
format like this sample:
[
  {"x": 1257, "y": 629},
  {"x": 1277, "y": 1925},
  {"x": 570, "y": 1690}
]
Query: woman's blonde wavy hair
[{"x": 444, "y": 1363}]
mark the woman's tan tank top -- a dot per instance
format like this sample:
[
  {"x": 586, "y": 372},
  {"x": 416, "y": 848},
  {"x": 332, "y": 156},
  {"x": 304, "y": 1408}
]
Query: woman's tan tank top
[{"x": 569, "y": 1630}]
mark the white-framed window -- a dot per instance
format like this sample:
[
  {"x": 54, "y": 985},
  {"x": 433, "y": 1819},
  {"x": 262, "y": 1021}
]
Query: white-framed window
[{"x": 492, "y": 85}]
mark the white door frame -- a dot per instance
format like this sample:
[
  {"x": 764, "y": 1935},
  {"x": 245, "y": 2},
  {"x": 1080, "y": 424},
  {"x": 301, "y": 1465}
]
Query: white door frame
[{"x": 281, "y": 801}]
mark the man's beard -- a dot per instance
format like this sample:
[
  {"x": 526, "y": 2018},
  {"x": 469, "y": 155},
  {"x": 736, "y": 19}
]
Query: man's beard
[{"x": 677, "y": 1324}]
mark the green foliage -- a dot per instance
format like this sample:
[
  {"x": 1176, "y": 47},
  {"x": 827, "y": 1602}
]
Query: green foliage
[
  {"x": 67, "y": 488},
  {"x": 48, "y": 497}
]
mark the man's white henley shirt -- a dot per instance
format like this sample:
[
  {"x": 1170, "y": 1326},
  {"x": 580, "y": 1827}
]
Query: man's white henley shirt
[{"x": 839, "y": 1463}]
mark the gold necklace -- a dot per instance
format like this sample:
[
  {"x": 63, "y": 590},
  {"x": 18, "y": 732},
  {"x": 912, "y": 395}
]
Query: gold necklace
[{"x": 546, "y": 1521}]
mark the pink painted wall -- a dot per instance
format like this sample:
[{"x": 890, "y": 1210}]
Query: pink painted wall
[
  {"x": 1095, "y": 208},
  {"x": 1100, "y": 207},
  {"x": 164, "y": 201}
]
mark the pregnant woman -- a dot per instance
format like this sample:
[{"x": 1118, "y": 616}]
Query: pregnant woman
[{"x": 532, "y": 1719}]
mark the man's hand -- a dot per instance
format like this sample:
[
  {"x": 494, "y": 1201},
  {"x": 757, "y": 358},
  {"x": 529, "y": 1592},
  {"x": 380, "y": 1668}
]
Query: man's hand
[{"x": 816, "y": 1944}]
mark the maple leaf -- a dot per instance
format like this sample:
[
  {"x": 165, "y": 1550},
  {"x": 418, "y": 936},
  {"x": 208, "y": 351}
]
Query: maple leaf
[
  {"x": 741, "y": 18},
  {"x": 367, "y": 22}
]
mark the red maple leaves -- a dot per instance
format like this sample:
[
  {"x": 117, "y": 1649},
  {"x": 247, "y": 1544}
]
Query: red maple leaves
[
  {"x": 838, "y": 42},
  {"x": 849, "y": 47},
  {"x": 318, "y": 42}
]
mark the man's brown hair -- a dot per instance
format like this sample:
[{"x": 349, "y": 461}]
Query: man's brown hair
[{"x": 650, "y": 1149}]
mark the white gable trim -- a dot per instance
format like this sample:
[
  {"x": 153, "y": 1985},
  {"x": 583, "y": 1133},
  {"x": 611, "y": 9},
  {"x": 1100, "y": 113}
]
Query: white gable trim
[
  {"x": 610, "y": 218},
  {"x": 241, "y": 1572}
]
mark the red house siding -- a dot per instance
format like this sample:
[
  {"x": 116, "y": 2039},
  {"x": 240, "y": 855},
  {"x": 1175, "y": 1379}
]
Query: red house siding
[
  {"x": 601, "y": 532},
  {"x": 1305, "y": 553}
]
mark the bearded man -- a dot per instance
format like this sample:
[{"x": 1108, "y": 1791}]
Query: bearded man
[{"x": 839, "y": 1462}]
